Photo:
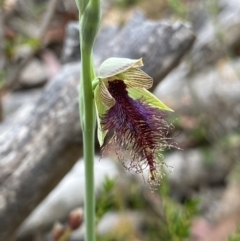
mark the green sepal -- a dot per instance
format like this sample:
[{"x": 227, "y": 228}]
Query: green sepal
[
  {"x": 114, "y": 66},
  {"x": 138, "y": 93},
  {"x": 101, "y": 109}
]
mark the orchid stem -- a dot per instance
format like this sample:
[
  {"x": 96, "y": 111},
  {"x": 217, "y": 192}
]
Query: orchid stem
[
  {"x": 88, "y": 147},
  {"x": 89, "y": 16}
]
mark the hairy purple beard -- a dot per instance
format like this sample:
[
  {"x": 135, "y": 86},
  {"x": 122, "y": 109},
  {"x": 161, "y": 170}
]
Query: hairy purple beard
[{"x": 140, "y": 132}]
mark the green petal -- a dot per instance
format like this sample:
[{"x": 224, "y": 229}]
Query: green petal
[
  {"x": 137, "y": 78},
  {"x": 137, "y": 93},
  {"x": 106, "y": 97},
  {"x": 101, "y": 109},
  {"x": 114, "y": 66}
]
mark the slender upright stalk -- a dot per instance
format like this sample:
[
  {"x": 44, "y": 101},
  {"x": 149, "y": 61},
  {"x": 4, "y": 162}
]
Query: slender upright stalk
[
  {"x": 88, "y": 147},
  {"x": 89, "y": 15}
]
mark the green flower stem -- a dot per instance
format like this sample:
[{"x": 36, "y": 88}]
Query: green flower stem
[
  {"x": 88, "y": 126},
  {"x": 89, "y": 15}
]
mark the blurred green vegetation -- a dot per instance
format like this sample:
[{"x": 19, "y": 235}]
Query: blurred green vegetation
[
  {"x": 13, "y": 46},
  {"x": 178, "y": 7},
  {"x": 235, "y": 236},
  {"x": 1, "y": 78},
  {"x": 164, "y": 218},
  {"x": 106, "y": 201},
  {"x": 125, "y": 4},
  {"x": 213, "y": 7}
]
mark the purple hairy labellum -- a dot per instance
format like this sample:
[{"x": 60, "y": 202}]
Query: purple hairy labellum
[
  {"x": 135, "y": 115},
  {"x": 139, "y": 129}
]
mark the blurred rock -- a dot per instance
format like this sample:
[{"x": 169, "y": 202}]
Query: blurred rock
[
  {"x": 113, "y": 222},
  {"x": 68, "y": 195},
  {"x": 68, "y": 6},
  {"x": 12, "y": 101},
  {"x": 229, "y": 203},
  {"x": 200, "y": 229},
  {"x": 213, "y": 95},
  {"x": 223, "y": 230},
  {"x": 71, "y": 52},
  {"x": 217, "y": 36},
  {"x": 198, "y": 15},
  {"x": 34, "y": 74},
  {"x": 195, "y": 169},
  {"x": 22, "y": 51},
  {"x": 187, "y": 90},
  {"x": 106, "y": 5},
  {"x": 51, "y": 62},
  {"x": 71, "y": 48}
]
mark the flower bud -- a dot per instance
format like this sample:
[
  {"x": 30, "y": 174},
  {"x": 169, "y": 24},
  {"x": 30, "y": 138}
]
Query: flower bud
[
  {"x": 75, "y": 218},
  {"x": 58, "y": 231}
]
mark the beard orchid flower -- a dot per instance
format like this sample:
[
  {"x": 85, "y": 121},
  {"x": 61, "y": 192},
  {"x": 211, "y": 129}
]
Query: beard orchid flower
[{"x": 136, "y": 117}]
